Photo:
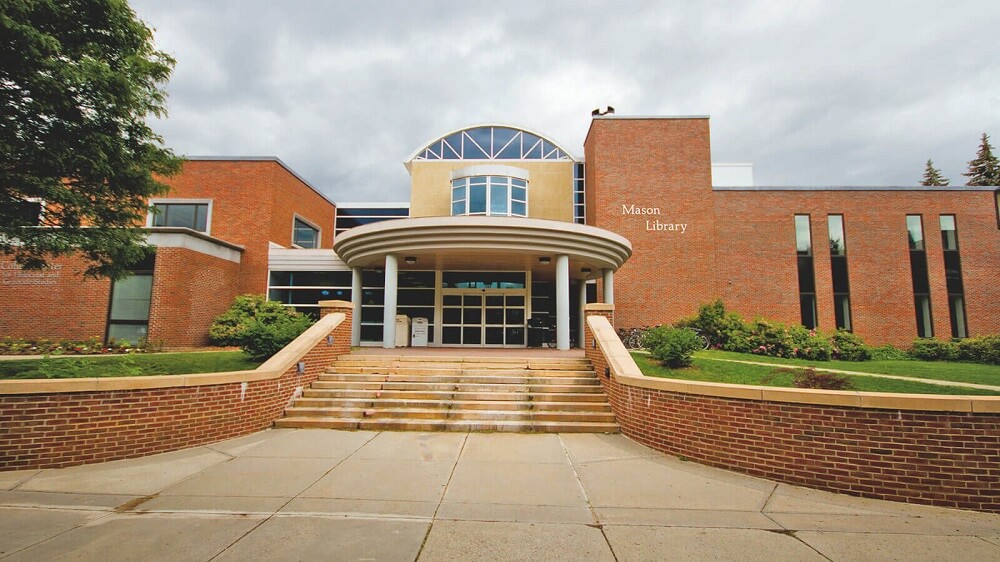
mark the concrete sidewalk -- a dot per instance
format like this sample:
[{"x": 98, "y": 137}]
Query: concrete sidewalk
[{"x": 341, "y": 495}]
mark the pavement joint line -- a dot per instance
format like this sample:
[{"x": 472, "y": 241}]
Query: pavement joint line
[
  {"x": 937, "y": 382},
  {"x": 59, "y": 534},
  {"x": 795, "y": 535},
  {"x": 458, "y": 459},
  {"x": 770, "y": 495},
  {"x": 282, "y": 506},
  {"x": 597, "y": 524}
]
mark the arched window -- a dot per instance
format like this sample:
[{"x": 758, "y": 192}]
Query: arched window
[{"x": 491, "y": 142}]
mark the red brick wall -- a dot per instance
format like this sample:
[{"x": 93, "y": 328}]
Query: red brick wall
[
  {"x": 190, "y": 290},
  {"x": 252, "y": 205},
  {"x": 71, "y": 307},
  {"x": 757, "y": 271},
  {"x": 664, "y": 164},
  {"x": 291, "y": 197},
  {"x": 937, "y": 458},
  {"x": 65, "y": 429},
  {"x": 740, "y": 245}
]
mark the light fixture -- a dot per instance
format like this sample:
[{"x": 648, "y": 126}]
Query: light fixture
[
  {"x": 544, "y": 260},
  {"x": 585, "y": 270},
  {"x": 410, "y": 260}
]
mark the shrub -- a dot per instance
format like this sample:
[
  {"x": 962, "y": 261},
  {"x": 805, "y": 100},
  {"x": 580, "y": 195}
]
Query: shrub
[
  {"x": 715, "y": 323},
  {"x": 260, "y": 340},
  {"x": 672, "y": 346},
  {"x": 230, "y": 327},
  {"x": 983, "y": 349},
  {"x": 934, "y": 350},
  {"x": 815, "y": 348},
  {"x": 849, "y": 347},
  {"x": 259, "y": 326},
  {"x": 888, "y": 353}
]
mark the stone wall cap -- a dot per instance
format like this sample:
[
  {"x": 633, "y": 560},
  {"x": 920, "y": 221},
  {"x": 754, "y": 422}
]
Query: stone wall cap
[
  {"x": 598, "y": 307},
  {"x": 336, "y": 304}
]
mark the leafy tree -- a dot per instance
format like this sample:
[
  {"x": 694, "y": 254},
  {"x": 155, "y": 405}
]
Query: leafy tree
[
  {"x": 77, "y": 80},
  {"x": 932, "y": 176},
  {"x": 984, "y": 168}
]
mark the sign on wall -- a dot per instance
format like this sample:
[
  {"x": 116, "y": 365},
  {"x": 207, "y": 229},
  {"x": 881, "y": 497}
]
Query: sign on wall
[
  {"x": 11, "y": 273},
  {"x": 655, "y": 224}
]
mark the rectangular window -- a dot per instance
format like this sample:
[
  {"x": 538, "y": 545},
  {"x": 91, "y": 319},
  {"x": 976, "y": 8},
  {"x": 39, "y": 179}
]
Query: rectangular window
[
  {"x": 918, "y": 275},
  {"x": 128, "y": 309},
  {"x": 838, "y": 268},
  {"x": 953, "y": 277},
  {"x": 305, "y": 235},
  {"x": 184, "y": 215},
  {"x": 807, "y": 277}
]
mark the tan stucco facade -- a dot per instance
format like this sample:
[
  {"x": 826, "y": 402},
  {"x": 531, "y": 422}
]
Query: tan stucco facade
[{"x": 550, "y": 187}]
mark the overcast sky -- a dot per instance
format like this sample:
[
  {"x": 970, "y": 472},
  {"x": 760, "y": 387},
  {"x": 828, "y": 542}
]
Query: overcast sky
[{"x": 813, "y": 93}]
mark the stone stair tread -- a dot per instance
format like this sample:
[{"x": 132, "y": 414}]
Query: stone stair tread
[
  {"x": 455, "y": 393},
  {"x": 450, "y": 425},
  {"x": 397, "y": 413},
  {"x": 334, "y": 403}
]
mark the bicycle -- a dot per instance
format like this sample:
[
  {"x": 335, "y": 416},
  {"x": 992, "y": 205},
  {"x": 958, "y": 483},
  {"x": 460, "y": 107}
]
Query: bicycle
[
  {"x": 705, "y": 342},
  {"x": 631, "y": 337}
]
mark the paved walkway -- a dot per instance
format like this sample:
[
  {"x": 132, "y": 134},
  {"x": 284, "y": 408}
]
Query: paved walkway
[{"x": 340, "y": 495}]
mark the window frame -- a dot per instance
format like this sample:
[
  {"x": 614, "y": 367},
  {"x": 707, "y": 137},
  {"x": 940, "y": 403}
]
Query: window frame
[
  {"x": 151, "y": 215},
  {"x": 510, "y": 200},
  {"x": 307, "y": 222}
]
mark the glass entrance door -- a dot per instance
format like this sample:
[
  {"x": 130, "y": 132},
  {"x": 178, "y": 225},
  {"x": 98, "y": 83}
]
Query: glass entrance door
[{"x": 487, "y": 318}]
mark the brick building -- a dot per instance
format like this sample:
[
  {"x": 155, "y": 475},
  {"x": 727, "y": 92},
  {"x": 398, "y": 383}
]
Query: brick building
[
  {"x": 506, "y": 230},
  {"x": 213, "y": 234}
]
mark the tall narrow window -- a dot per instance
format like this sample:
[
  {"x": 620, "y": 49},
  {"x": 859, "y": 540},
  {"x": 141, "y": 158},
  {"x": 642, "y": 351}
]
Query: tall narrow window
[
  {"x": 807, "y": 277},
  {"x": 838, "y": 267},
  {"x": 128, "y": 309},
  {"x": 953, "y": 277},
  {"x": 918, "y": 274}
]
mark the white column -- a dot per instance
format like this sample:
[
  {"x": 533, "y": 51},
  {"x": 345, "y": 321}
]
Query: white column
[
  {"x": 356, "y": 293},
  {"x": 562, "y": 302},
  {"x": 582, "y": 303},
  {"x": 389, "y": 313},
  {"x": 609, "y": 286}
]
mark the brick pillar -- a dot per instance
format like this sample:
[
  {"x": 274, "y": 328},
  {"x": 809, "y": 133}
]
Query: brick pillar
[
  {"x": 342, "y": 333},
  {"x": 592, "y": 352}
]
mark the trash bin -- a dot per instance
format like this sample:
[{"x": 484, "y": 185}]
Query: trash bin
[
  {"x": 402, "y": 331},
  {"x": 418, "y": 332}
]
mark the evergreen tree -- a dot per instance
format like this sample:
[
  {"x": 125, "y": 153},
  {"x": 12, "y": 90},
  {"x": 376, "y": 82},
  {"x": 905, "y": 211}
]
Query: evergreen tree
[
  {"x": 932, "y": 176},
  {"x": 77, "y": 80},
  {"x": 984, "y": 169}
]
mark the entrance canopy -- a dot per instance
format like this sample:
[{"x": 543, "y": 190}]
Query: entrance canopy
[{"x": 466, "y": 243}]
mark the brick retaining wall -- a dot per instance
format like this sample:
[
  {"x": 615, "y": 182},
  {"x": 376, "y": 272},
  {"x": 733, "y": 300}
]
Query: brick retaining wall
[
  {"x": 57, "y": 423},
  {"x": 936, "y": 455}
]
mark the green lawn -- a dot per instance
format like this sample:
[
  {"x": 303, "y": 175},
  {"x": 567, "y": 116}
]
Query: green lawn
[
  {"x": 738, "y": 373},
  {"x": 126, "y": 365},
  {"x": 937, "y": 370}
]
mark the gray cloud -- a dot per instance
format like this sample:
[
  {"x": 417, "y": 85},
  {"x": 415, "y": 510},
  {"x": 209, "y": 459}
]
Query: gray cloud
[{"x": 813, "y": 93}]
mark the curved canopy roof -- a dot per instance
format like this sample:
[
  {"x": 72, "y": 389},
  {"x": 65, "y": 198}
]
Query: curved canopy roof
[
  {"x": 491, "y": 142},
  {"x": 485, "y": 244}
]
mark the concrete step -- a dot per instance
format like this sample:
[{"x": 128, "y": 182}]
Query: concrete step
[
  {"x": 457, "y": 387},
  {"x": 583, "y": 379},
  {"x": 451, "y": 414},
  {"x": 468, "y": 370},
  {"x": 362, "y": 404},
  {"x": 453, "y": 395},
  {"x": 485, "y": 365},
  {"x": 447, "y": 425}
]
